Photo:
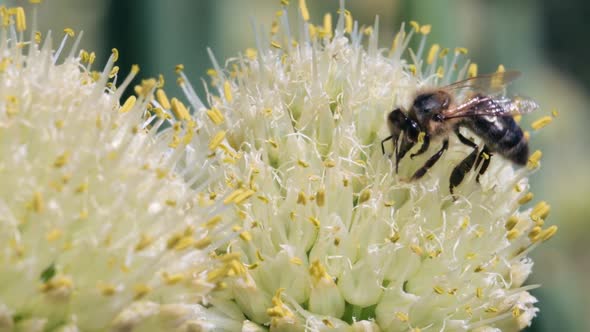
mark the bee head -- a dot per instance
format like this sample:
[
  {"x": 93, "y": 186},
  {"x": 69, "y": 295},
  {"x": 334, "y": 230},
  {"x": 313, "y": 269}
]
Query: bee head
[{"x": 428, "y": 106}]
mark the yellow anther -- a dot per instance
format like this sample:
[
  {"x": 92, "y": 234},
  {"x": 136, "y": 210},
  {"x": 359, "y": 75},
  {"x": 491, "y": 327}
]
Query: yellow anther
[
  {"x": 348, "y": 22},
  {"x": 144, "y": 241},
  {"x": 534, "y": 159},
  {"x": 82, "y": 188},
  {"x": 492, "y": 310},
  {"x": 107, "y": 289},
  {"x": 134, "y": 69},
  {"x": 57, "y": 282},
  {"x": 548, "y": 233},
  {"x": 368, "y": 30},
  {"x": 394, "y": 237},
  {"x": 296, "y": 261},
  {"x": 472, "y": 71},
  {"x": 513, "y": 234},
  {"x": 303, "y": 9},
  {"x": 320, "y": 197},
  {"x": 540, "y": 211},
  {"x": 246, "y": 236},
  {"x": 141, "y": 290},
  {"x": 434, "y": 49},
  {"x": 128, "y": 105},
  {"x": 542, "y": 122},
  {"x": 364, "y": 196},
  {"x": 285, "y": 2},
  {"x": 179, "y": 110},
  {"x": 170, "y": 202},
  {"x": 443, "y": 53},
  {"x": 302, "y": 163},
  {"x": 526, "y": 198},
  {"x": 53, "y": 234},
  {"x": 251, "y": 53},
  {"x": 479, "y": 292},
  {"x": 38, "y": 37},
  {"x": 438, "y": 290},
  {"x": 554, "y": 113},
  {"x": 470, "y": 255},
  {"x": 511, "y": 223},
  {"x": 114, "y": 71},
  {"x": 227, "y": 91},
  {"x": 275, "y": 45},
  {"x": 345, "y": 182},
  {"x": 329, "y": 163},
  {"x": 91, "y": 57},
  {"x": 301, "y": 198},
  {"x": 172, "y": 279},
  {"x": 425, "y": 29},
  {"x": 61, "y": 160},
  {"x": 163, "y": 99},
  {"x": 527, "y": 136},
  {"x": 318, "y": 271},
  {"x": 412, "y": 69},
  {"x": 500, "y": 69},
  {"x": 534, "y": 233},
  {"x": 415, "y": 26},
  {"x": 461, "y": 50},
  {"x": 37, "y": 203},
  {"x": 216, "y": 140},
  {"x": 417, "y": 249},
  {"x": 216, "y": 116},
  {"x": 401, "y": 316},
  {"x": 70, "y": 32},
  {"x": 21, "y": 19},
  {"x": 314, "y": 221},
  {"x": 327, "y": 29},
  {"x": 179, "y": 68},
  {"x": 161, "y": 173},
  {"x": 516, "y": 312}
]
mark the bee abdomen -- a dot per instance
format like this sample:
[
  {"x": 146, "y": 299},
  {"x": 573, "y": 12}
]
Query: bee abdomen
[{"x": 502, "y": 135}]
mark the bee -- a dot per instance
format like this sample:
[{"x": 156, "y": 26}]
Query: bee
[{"x": 436, "y": 113}]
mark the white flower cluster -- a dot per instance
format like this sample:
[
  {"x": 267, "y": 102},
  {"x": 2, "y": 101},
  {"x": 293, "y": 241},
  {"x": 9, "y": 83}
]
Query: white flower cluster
[
  {"x": 331, "y": 237},
  {"x": 98, "y": 231}
]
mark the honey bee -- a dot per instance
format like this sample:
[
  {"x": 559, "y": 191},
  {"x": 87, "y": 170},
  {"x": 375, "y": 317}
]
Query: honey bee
[{"x": 436, "y": 113}]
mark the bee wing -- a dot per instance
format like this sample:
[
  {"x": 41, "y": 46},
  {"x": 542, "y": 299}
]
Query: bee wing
[
  {"x": 481, "y": 105},
  {"x": 486, "y": 84}
]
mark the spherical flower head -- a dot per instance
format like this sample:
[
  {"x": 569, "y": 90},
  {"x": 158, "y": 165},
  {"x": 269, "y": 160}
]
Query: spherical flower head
[
  {"x": 98, "y": 232},
  {"x": 330, "y": 236}
]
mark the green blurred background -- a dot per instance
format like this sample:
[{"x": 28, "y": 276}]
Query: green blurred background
[{"x": 545, "y": 39}]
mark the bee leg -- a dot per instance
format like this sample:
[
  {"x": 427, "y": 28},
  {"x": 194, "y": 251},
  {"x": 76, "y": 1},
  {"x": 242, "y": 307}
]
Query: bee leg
[
  {"x": 430, "y": 162},
  {"x": 460, "y": 170},
  {"x": 405, "y": 144},
  {"x": 390, "y": 137},
  {"x": 423, "y": 148},
  {"x": 465, "y": 140},
  {"x": 485, "y": 155}
]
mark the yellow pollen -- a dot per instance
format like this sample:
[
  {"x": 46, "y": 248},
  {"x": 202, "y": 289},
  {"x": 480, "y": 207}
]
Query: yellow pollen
[
  {"x": 314, "y": 221},
  {"x": 329, "y": 163},
  {"x": 70, "y": 32},
  {"x": 144, "y": 242},
  {"x": 542, "y": 122},
  {"x": 296, "y": 261},
  {"x": 57, "y": 282},
  {"x": 161, "y": 173},
  {"x": 492, "y": 310},
  {"x": 548, "y": 233},
  {"x": 172, "y": 279},
  {"x": 394, "y": 237},
  {"x": 417, "y": 249},
  {"x": 526, "y": 198},
  {"x": 440, "y": 72},
  {"x": 472, "y": 71},
  {"x": 303, "y": 9},
  {"x": 215, "y": 116},
  {"x": 516, "y": 312},
  {"x": 415, "y": 26},
  {"x": 479, "y": 292},
  {"x": 527, "y": 136},
  {"x": 21, "y": 19},
  {"x": 179, "y": 110},
  {"x": 141, "y": 290},
  {"x": 128, "y": 105},
  {"x": 227, "y": 91},
  {"x": 134, "y": 69},
  {"x": 438, "y": 290},
  {"x": 37, "y": 204},
  {"x": 91, "y": 57},
  {"x": 38, "y": 37},
  {"x": 425, "y": 29},
  {"x": 163, "y": 99},
  {"x": 114, "y": 71},
  {"x": 540, "y": 211},
  {"x": 107, "y": 289},
  {"x": 275, "y": 45},
  {"x": 511, "y": 223},
  {"x": 534, "y": 233},
  {"x": 443, "y": 53},
  {"x": 179, "y": 68},
  {"x": 83, "y": 187},
  {"x": 53, "y": 234},
  {"x": 61, "y": 160},
  {"x": 364, "y": 196},
  {"x": 317, "y": 271},
  {"x": 251, "y": 53},
  {"x": 285, "y": 2},
  {"x": 512, "y": 234},
  {"x": 500, "y": 69},
  {"x": 461, "y": 50},
  {"x": 301, "y": 198},
  {"x": 348, "y": 21},
  {"x": 402, "y": 316},
  {"x": 368, "y": 30},
  {"x": 534, "y": 159},
  {"x": 554, "y": 113},
  {"x": 327, "y": 30},
  {"x": 246, "y": 236},
  {"x": 302, "y": 163},
  {"x": 320, "y": 197}
]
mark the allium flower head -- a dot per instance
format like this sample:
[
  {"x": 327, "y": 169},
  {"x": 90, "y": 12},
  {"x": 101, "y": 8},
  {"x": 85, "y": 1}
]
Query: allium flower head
[
  {"x": 97, "y": 229},
  {"x": 330, "y": 237}
]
